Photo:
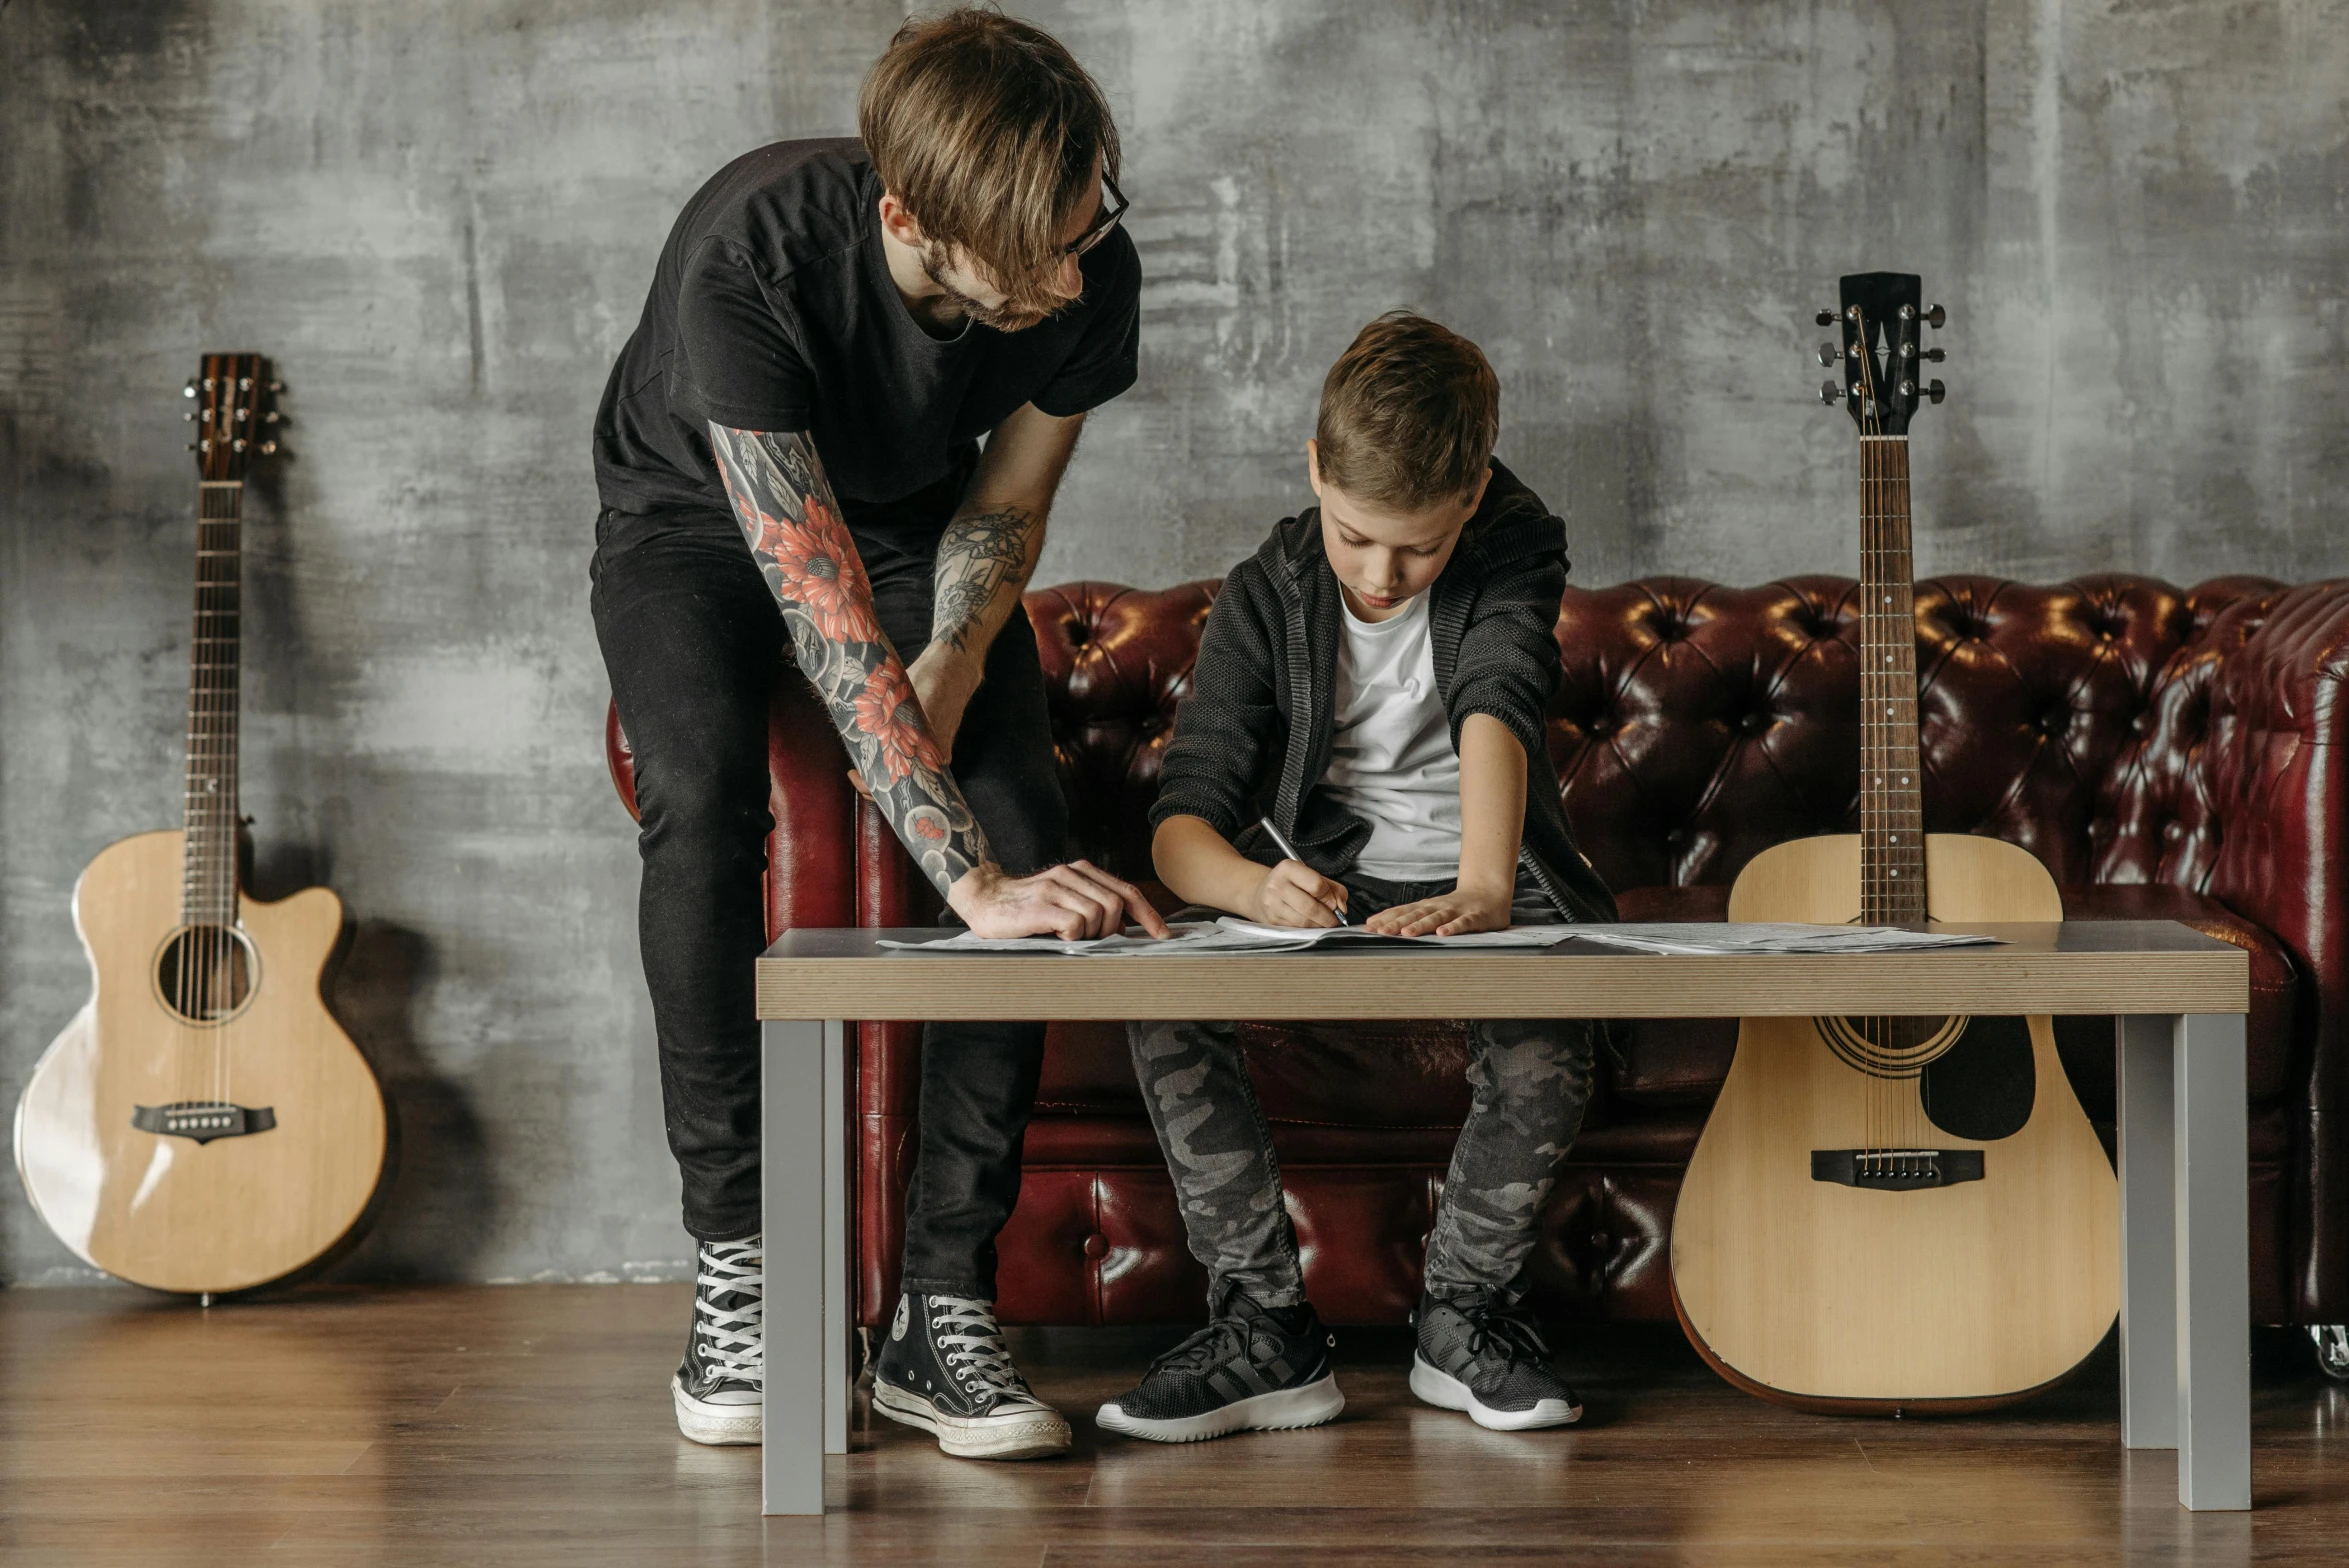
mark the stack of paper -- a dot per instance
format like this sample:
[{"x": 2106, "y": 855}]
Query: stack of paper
[{"x": 1232, "y": 935}]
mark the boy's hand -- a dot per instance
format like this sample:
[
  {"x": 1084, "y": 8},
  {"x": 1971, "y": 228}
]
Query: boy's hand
[
  {"x": 1447, "y": 914},
  {"x": 1294, "y": 894}
]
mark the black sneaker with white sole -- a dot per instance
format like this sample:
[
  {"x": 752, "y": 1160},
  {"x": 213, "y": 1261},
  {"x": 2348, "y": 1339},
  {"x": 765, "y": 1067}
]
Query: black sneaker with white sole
[
  {"x": 1251, "y": 1369},
  {"x": 720, "y": 1387},
  {"x": 944, "y": 1369},
  {"x": 1488, "y": 1359}
]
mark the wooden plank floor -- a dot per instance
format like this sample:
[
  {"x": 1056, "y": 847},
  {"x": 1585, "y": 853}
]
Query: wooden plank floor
[{"x": 531, "y": 1424}]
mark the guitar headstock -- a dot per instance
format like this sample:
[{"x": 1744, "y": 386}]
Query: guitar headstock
[
  {"x": 235, "y": 415},
  {"x": 1879, "y": 351}
]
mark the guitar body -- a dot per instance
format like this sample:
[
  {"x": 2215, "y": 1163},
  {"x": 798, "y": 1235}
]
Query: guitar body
[
  {"x": 162, "y": 1209},
  {"x": 1832, "y": 1296}
]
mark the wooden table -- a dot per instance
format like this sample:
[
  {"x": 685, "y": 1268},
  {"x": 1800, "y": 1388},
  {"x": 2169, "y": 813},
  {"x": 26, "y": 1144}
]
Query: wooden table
[{"x": 2180, "y": 996}]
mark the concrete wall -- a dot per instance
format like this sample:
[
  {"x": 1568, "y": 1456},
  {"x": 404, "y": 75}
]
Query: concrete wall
[{"x": 441, "y": 217}]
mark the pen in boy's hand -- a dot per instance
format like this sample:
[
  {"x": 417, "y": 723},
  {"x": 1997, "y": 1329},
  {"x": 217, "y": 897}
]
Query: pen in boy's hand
[{"x": 1280, "y": 841}]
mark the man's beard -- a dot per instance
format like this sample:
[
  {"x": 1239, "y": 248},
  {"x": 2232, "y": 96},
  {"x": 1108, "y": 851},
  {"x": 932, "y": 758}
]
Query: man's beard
[{"x": 1013, "y": 315}]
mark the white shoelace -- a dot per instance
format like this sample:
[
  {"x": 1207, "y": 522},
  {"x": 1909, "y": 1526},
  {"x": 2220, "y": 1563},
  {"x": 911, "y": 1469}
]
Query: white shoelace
[
  {"x": 972, "y": 1346},
  {"x": 732, "y": 1343}
]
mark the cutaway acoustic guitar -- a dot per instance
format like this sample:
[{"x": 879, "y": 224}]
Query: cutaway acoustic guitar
[
  {"x": 204, "y": 1125},
  {"x": 1894, "y": 1213}
]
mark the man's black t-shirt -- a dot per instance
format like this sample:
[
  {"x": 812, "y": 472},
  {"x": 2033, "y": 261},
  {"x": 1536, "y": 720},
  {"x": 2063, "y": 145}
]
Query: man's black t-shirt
[{"x": 773, "y": 309}]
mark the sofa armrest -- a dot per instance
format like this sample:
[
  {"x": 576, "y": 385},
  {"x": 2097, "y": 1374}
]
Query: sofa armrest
[{"x": 2275, "y": 778}]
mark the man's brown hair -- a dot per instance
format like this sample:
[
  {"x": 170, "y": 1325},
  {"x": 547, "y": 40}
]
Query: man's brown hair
[
  {"x": 986, "y": 128},
  {"x": 1408, "y": 414}
]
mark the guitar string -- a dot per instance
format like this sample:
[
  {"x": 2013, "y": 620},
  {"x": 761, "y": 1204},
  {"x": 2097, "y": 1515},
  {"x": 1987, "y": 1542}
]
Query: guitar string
[
  {"x": 1870, "y": 576},
  {"x": 229, "y": 612}
]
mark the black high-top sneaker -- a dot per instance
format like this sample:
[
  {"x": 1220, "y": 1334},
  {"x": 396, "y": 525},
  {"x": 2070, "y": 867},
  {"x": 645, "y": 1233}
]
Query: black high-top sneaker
[
  {"x": 944, "y": 1369},
  {"x": 720, "y": 1387},
  {"x": 1251, "y": 1369},
  {"x": 1489, "y": 1359}
]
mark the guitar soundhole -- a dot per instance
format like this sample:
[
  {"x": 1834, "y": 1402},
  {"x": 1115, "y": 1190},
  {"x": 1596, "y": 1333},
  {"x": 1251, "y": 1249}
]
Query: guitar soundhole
[
  {"x": 1890, "y": 1047},
  {"x": 205, "y": 973}
]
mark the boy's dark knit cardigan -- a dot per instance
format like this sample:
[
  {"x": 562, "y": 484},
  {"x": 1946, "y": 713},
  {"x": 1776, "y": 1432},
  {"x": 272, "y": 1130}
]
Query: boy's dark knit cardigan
[{"x": 1253, "y": 738}]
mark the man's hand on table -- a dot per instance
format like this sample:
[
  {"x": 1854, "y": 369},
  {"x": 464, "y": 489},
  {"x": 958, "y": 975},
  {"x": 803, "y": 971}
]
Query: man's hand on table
[{"x": 1074, "y": 902}]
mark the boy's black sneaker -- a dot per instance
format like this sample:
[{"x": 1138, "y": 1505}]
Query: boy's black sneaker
[
  {"x": 720, "y": 1386},
  {"x": 1478, "y": 1355},
  {"x": 944, "y": 1369},
  {"x": 1246, "y": 1371}
]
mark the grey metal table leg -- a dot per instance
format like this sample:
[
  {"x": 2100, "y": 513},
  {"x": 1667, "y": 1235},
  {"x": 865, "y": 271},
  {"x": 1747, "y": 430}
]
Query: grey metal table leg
[
  {"x": 791, "y": 1191},
  {"x": 2149, "y": 1271},
  {"x": 2214, "y": 1264},
  {"x": 836, "y": 1324}
]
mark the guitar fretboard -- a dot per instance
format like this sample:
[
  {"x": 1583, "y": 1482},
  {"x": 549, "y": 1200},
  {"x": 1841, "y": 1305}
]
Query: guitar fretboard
[
  {"x": 1892, "y": 817},
  {"x": 209, "y": 889}
]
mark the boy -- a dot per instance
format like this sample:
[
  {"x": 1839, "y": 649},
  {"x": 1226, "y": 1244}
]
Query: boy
[{"x": 1372, "y": 682}]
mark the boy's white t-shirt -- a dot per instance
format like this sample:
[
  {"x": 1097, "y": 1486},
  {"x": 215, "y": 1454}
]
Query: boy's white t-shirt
[{"x": 1391, "y": 757}]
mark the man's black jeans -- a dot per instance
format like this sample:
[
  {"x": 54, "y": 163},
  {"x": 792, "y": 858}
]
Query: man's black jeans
[{"x": 693, "y": 642}]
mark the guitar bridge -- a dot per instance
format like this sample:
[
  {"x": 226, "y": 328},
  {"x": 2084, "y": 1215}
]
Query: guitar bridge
[
  {"x": 1896, "y": 1170},
  {"x": 201, "y": 1121}
]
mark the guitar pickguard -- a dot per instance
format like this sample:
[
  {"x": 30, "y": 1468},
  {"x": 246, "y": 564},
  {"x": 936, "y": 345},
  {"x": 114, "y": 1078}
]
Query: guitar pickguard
[{"x": 1984, "y": 1085}]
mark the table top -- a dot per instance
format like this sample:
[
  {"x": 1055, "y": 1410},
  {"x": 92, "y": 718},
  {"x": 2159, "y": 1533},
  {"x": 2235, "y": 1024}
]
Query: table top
[{"x": 2076, "y": 966}]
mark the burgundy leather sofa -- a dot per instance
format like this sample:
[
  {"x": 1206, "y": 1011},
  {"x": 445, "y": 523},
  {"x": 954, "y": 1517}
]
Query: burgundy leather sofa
[{"x": 2166, "y": 752}]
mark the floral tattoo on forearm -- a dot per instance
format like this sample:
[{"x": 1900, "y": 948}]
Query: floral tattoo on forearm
[
  {"x": 784, "y": 504},
  {"x": 984, "y": 559}
]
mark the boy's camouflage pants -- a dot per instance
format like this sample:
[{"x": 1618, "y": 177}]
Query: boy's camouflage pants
[{"x": 1531, "y": 1080}]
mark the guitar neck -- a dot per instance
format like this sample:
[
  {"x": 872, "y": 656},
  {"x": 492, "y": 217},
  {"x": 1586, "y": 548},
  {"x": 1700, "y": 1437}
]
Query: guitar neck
[
  {"x": 209, "y": 886},
  {"x": 1892, "y": 817}
]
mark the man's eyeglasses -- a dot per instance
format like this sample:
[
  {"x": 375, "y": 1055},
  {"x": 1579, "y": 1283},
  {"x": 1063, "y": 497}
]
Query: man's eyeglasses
[{"x": 1113, "y": 207}]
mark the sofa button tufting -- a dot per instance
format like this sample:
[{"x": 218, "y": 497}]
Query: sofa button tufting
[{"x": 1096, "y": 1246}]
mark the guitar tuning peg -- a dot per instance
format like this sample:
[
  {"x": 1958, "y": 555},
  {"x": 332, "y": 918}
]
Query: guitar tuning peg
[
  {"x": 1827, "y": 354},
  {"x": 1935, "y": 391},
  {"x": 1936, "y": 316},
  {"x": 190, "y": 415},
  {"x": 190, "y": 389},
  {"x": 1826, "y": 318},
  {"x": 191, "y": 446},
  {"x": 1936, "y": 355},
  {"x": 271, "y": 418},
  {"x": 268, "y": 449},
  {"x": 277, "y": 386},
  {"x": 1830, "y": 394},
  {"x": 238, "y": 445}
]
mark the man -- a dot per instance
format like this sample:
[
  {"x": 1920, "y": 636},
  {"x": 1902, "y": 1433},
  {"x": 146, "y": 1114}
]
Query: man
[{"x": 831, "y": 326}]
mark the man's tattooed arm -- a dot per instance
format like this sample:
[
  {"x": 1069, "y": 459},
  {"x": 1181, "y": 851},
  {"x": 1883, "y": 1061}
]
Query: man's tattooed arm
[
  {"x": 785, "y": 506},
  {"x": 985, "y": 556},
  {"x": 984, "y": 559}
]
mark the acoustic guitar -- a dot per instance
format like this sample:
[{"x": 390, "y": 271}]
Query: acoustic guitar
[
  {"x": 1894, "y": 1214},
  {"x": 204, "y": 1125}
]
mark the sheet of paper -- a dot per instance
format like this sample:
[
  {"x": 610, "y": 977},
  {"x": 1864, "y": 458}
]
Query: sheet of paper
[{"x": 1695, "y": 936}]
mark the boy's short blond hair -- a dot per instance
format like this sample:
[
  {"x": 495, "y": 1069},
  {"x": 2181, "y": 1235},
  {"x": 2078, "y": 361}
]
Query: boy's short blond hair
[
  {"x": 987, "y": 129},
  {"x": 1408, "y": 415}
]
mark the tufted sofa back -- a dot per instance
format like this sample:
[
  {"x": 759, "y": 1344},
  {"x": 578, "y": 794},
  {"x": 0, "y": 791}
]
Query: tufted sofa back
[{"x": 1697, "y": 724}]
